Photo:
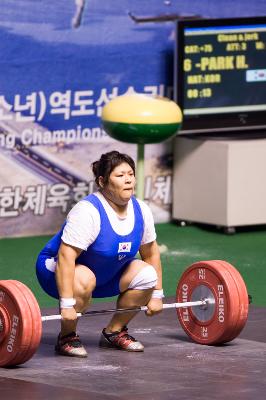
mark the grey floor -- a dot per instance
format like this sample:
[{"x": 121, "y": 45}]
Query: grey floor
[{"x": 171, "y": 367}]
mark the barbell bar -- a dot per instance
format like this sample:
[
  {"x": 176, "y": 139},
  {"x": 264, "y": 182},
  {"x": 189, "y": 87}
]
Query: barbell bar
[
  {"x": 203, "y": 302},
  {"x": 211, "y": 305}
]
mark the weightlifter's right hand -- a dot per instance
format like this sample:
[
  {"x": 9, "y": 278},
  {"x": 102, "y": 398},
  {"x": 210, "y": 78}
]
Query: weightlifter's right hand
[{"x": 69, "y": 314}]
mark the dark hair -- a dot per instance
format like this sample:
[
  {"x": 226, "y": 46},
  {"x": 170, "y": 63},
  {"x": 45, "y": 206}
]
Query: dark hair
[{"x": 108, "y": 162}]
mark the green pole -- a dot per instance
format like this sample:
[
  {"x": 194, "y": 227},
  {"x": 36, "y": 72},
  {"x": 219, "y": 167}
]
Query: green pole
[{"x": 140, "y": 171}]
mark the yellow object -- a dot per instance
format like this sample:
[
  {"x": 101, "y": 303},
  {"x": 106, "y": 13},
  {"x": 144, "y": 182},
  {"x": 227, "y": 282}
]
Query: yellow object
[{"x": 142, "y": 109}]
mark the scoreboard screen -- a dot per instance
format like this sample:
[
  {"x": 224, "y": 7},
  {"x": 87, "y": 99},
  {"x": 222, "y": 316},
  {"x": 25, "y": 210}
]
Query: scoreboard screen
[{"x": 220, "y": 72}]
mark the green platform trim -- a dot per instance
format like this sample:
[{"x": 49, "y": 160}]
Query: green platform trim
[{"x": 141, "y": 133}]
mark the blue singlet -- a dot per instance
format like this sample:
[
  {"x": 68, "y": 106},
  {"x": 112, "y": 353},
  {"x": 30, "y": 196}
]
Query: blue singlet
[{"x": 107, "y": 256}]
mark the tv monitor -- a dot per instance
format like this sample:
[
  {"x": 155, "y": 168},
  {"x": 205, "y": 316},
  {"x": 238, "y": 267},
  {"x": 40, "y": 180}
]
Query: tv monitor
[{"x": 220, "y": 75}]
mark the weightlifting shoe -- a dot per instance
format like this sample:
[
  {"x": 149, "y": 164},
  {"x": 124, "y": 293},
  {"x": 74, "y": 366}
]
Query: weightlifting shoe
[
  {"x": 70, "y": 345},
  {"x": 120, "y": 340}
]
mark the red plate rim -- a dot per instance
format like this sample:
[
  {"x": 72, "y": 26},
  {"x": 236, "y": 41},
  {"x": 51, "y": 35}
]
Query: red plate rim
[
  {"x": 25, "y": 324},
  {"x": 36, "y": 320},
  {"x": 243, "y": 298}
]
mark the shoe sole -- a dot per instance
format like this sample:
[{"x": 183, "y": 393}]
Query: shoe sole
[
  {"x": 61, "y": 353},
  {"x": 107, "y": 345}
]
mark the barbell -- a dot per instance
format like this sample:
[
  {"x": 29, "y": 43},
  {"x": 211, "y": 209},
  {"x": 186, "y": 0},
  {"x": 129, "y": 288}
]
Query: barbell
[{"x": 211, "y": 304}]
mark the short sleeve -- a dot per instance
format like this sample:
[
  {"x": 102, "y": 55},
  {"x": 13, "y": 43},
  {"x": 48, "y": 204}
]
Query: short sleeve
[
  {"x": 82, "y": 225},
  {"x": 149, "y": 234}
]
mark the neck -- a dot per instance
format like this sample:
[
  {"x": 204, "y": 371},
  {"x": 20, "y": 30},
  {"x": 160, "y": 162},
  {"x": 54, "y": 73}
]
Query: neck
[{"x": 119, "y": 208}]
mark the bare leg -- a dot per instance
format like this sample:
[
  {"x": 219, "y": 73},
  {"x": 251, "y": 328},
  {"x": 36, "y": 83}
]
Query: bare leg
[
  {"x": 128, "y": 299},
  {"x": 84, "y": 284}
]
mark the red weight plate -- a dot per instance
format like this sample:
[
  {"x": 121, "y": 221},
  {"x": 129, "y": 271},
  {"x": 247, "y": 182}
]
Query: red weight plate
[
  {"x": 16, "y": 341},
  {"x": 36, "y": 320},
  {"x": 243, "y": 298},
  {"x": 4, "y": 322},
  {"x": 211, "y": 324},
  {"x": 227, "y": 272}
]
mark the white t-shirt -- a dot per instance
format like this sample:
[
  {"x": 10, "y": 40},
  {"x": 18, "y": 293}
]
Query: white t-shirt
[{"x": 83, "y": 223}]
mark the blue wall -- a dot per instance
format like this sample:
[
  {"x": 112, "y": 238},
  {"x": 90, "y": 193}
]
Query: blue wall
[{"x": 41, "y": 53}]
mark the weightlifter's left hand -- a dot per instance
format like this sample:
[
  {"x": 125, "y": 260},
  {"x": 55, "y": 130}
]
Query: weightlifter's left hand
[{"x": 155, "y": 306}]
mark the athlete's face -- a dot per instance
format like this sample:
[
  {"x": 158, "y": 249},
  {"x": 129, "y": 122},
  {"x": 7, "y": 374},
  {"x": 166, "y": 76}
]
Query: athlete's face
[{"x": 121, "y": 183}]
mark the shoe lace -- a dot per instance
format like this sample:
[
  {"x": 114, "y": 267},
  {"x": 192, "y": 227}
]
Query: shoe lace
[
  {"x": 75, "y": 342},
  {"x": 72, "y": 340},
  {"x": 124, "y": 337}
]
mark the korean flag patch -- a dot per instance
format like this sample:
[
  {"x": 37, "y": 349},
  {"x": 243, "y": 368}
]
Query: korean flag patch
[{"x": 124, "y": 247}]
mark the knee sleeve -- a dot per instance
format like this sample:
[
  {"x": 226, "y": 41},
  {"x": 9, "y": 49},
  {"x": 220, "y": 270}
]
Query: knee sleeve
[{"x": 145, "y": 279}]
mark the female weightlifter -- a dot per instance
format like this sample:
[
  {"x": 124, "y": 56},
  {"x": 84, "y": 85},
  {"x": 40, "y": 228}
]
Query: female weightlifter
[{"x": 94, "y": 255}]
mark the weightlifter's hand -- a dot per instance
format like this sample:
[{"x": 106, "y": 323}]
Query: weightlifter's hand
[
  {"x": 69, "y": 314},
  {"x": 155, "y": 306}
]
